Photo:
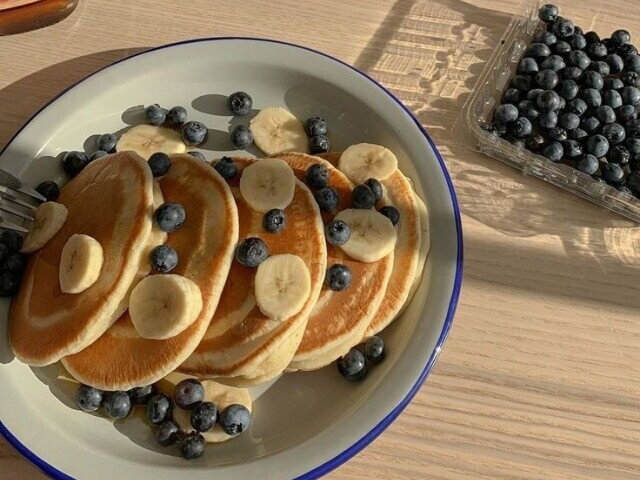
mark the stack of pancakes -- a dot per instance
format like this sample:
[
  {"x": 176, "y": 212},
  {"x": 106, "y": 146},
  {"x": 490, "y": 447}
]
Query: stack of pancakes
[{"x": 113, "y": 199}]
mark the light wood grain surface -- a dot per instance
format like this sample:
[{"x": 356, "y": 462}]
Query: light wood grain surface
[{"x": 540, "y": 377}]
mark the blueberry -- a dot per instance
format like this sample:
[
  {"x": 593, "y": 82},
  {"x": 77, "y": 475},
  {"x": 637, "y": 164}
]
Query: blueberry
[
  {"x": 614, "y": 133},
  {"x": 117, "y": 405},
  {"x": 316, "y": 126},
  {"x": 521, "y": 127},
  {"x": 319, "y": 144},
  {"x": 506, "y": 113},
  {"x": 578, "y": 31},
  {"x": 571, "y": 73},
  {"x": 553, "y": 62},
  {"x": 600, "y": 67},
  {"x": 562, "y": 27},
  {"x": 49, "y": 190},
  {"x": 557, "y": 134},
  {"x": 626, "y": 113},
  {"x": 568, "y": 89},
  {"x": 533, "y": 93},
  {"x": 562, "y": 47},
  {"x": 204, "y": 416},
  {"x": 633, "y": 182},
  {"x": 632, "y": 63},
  {"x": 625, "y": 50},
  {"x": 548, "y": 120},
  {"x": 553, "y": 151},
  {"x": 577, "y": 41},
  {"x": 612, "y": 173},
  {"x": 597, "y": 145},
  {"x": 155, "y": 114},
  {"x": 547, "y": 79},
  {"x": 538, "y": 50},
  {"x": 74, "y": 162},
  {"x": 620, "y": 37},
  {"x": 534, "y": 142},
  {"x": 562, "y": 103},
  {"x": 588, "y": 164},
  {"x": 527, "y": 65},
  {"x": 613, "y": 84},
  {"x": 569, "y": 121},
  {"x": 251, "y": 252},
  {"x": 159, "y": 163},
  {"x": 391, "y": 213},
  {"x": 630, "y": 95},
  {"x": 592, "y": 97},
  {"x": 619, "y": 154},
  {"x": 597, "y": 50},
  {"x": 107, "y": 142},
  {"x": 192, "y": 446},
  {"x": 141, "y": 395},
  {"x": 632, "y": 144},
  {"x": 274, "y": 220},
  {"x": 177, "y": 116},
  {"x": 545, "y": 37},
  {"x": 168, "y": 433},
  {"x": 591, "y": 38},
  {"x": 512, "y": 96},
  {"x": 159, "y": 408},
  {"x": 498, "y": 128},
  {"x": 353, "y": 365},
  {"x": 631, "y": 79},
  {"x": 577, "y": 134},
  {"x": 239, "y": 103},
  {"x": 188, "y": 394},
  {"x": 195, "y": 133},
  {"x": 612, "y": 99},
  {"x": 521, "y": 82},
  {"x": 572, "y": 148},
  {"x": 235, "y": 419},
  {"x": 88, "y": 399},
  {"x": 241, "y": 137},
  {"x": 317, "y": 176},
  {"x": 338, "y": 277},
  {"x": 327, "y": 198},
  {"x": 605, "y": 114},
  {"x": 12, "y": 240},
  {"x": 169, "y": 216},
  {"x": 592, "y": 79},
  {"x": 577, "y": 106},
  {"x": 578, "y": 58},
  {"x": 548, "y": 13},
  {"x": 615, "y": 63},
  {"x": 337, "y": 232},
  {"x": 226, "y": 167},
  {"x": 9, "y": 283},
  {"x": 362, "y": 197},
  {"x": 632, "y": 128},
  {"x": 548, "y": 100},
  {"x": 528, "y": 109},
  {"x": 376, "y": 188},
  {"x": 15, "y": 263},
  {"x": 97, "y": 154},
  {"x": 374, "y": 349},
  {"x": 198, "y": 155},
  {"x": 163, "y": 258}
]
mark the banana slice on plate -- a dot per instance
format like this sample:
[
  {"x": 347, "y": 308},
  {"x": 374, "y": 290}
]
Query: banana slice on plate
[
  {"x": 365, "y": 160},
  {"x": 48, "y": 220},
  {"x": 80, "y": 263},
  {"x": 267, "y": 184},
  {"x": 373, "y": 236},
  {"x": 162, "y": 306},
  {"x": 276, "y": 129},
  {"x": 146, "y": 140},
  {"x": 282, "y": 286}
]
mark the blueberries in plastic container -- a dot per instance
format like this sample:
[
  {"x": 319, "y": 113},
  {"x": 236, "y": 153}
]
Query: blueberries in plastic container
[
  {"x": 553, "y": 62},
  {"x": 577, "y": 134},
  {"x": 569, "y": 121},
  {"x": 528, "y": 65},
  {"x": 605, "y": 114},
  {"x": 612, "y": 98},
  {"x": 592, "y": 97},
  {"x": 539, "y": 50},
  {"x": 535, "y": 142},
  {"x": 512, "y": 95},
  {"x": 577, "y": 106},
  {"x": 521, "y": 127},
  {"x": 572, "y": 148},
  {"x": 548, "y": 120},
  {"x": 521, "y": 82},
  {"x": 615, "y": 62},
  {"x": 592, "y": 79},
  {"x": 562, "y": 27},
  {"x": 614, "y": 133},
  {"x": 547, "y": 79},
  {"x": 561, "y": 47},
  {"x": 548, "y": 13},
  {"x": 589, "y": 123},
  {"x": 597, "y": 145},
  {"x": 578, "y": 58},
  {"x": 553, "y": 151},
  {"x": 612, "y": 173},
  {"x": 548, "y": 100},
  {"x": 619, "y": 154},
  {"x": 506, "y": 113},
  {"x": 548, "y": 38},
  {"x": 588, "y": 164},
  {"x": 568, "y": 89}
]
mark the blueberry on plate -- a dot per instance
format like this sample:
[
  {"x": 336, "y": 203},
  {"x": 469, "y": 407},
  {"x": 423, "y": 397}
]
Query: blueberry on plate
[
  {"x": 319, "y": 144},
  {"x": 527, "y": 65},
  {"x": 562, "y": 27},
  {"x": 235, "y": 419},
  {"x": 548, "y": 13},
  {"x": 612, "y": 173},
  {"x": 97, "y": 154},
  {"x": 568, "y": 89},
  {"x": 633, "y": 182},
  {"x": 612, "y": 98},
  {"x": 338, "y": 277},
  {"x": 589, "y": 123},
  {"x": 316, "y": 126},
  {"x": 553, "y": 62},
  {"x": 521, "y": 82},
  {"x": 198, "y": 155},
  {"x": 239, "y": 103},
  {"x": 630, "y": 95},
  {"x": 548, "y": 101},
  {"x": 547, "y": 79},
  {"x": 9, "y": 283},
  {"x": 327, "y": 198},
  {"x": 194, "y": 133},
  {"x": 177, "y": 116},
  {"x": 588, "y": 164},
  {"x": 557, "y": 134},
  {"x": 548, "y": 120},
  {"x": 155, "y": 115},
  {"x": 226, "y": 167},
  {"x": 159, "y": 408},
  {"x": 374, "y": 349},
  {"x": 274, "y": 220},
  {"x": 241, "y": 137},
  {"x": 512, "y": 96},
  {"x": 88, "y": 399},
  {"x": 49, "y": 190},
  {"x": 363, "y": 197},
  {"x": 159, "y": 163},
  {"x": 117, "y": 405},
  {"x": 337, "y": 232},
  {"x": 534, "y": 142},
  {"x": 605, "y": 114},
  {"x": 619, "y": 154},
  {"x": 168, "y": 433},
  {"x": 317, "y": 176},
  {"x": 376, "y": 188},
  {"x": 521, "y": 127},
  {"x": 615, "y": 62},
  {"x": 163, "y": 258},
  {"x": 74, "y": 162},
  {"x": 169, "y": 216},
  {"x": 537, "y": 50},
  {"x": 631, "y": 79},
  {"x": 141, "y": 395},
  {"x": 597, "y": 146},
  {"x": 578, "y": 58},
  {"x": 577, "y": 134},
  {"x": 614, "y": 133},
  {"x": 553, "y": 151},
  {"x": 204, "y": 416},
  {"x": 569, "y": 121},
  {"x": 12, "y": 240},
  {"x": 251, "y": 252},
  {"x": 591, "y": 97},
  {"x": 391, "y": 213},
  {"x": 545, "y": 37},
  {"x": 192, "y": 445},
  {"x": 188, "y": 394},
  {"x": 506, "y": 113},
  {"x": 107, "y": 142},
  {"x": 572, "y": 149},
  {"x": 353, "y": 365}
]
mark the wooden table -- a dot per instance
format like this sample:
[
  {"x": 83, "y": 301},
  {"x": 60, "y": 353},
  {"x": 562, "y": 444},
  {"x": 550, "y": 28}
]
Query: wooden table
[{"x": 540, "y": 377}]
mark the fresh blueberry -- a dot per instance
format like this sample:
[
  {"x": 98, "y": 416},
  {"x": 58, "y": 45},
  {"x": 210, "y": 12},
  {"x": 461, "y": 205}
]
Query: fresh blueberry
[
  {"x": 547, "y": 79},
  {"x": 337, "y": 232},
  {"x": 317, "y": 176},
  {"x": 528, "y": 65},
  {"x": 591, "y": 38},
  {"x": 506, "y": 113},
  {"x": 572, "y": 148},
  {"x": 512, "y": 96},
  {"x": 521, "y": 127},
  {"x": 49, "y": 190},
  {"x": 528, "y": 109},
  {"x": 592, "y": 97},
  {"x": 169, "y": 216},
  {"x": 553, "y": 151},
  {"x": 568, "y": 89},
  {"x": 627, "y": 49},
  {"x": 327, "y": 198},
  {"x": 633, "y": 182},
  {"x": 319, "y": 144},
  {"x": 97, "y": 154},
  {"x": 88, "y": 399},
  {"x": 620, "y": 37},
  {"x": 548, "y": 120},
  {"x": 553, "y": 62},
  {"x": 605, "y": 114},
  {"x": 631, "y": 79},
  {"x": 141, "y": 395},
  {"x": 615, "y": 63},
  {"x": 155, "y": 114},
  {"x": 12, "y": 240},
  {"x": 533, "y": 93},
  {"x": 632, "y": 128},
  {"x": 391, "y": 213},
  {"x": 363, "y": 197},
  {"x": 74, "y": 162},
  {"x": 353, "y": 365},
  {"x": 548, "y": 101},
  {"x": 159, "y": 408},
  {"x": 548, "y": 13},
  {"x": 192, "y": 445},
  {"x": 613, "y": 84},
  {"x": 597, "y": 145},
  {"x": 569, "y": 121},
  {"x": 612, "y": 99},
  {"x": 226, "y": 167},
  {"x": 577, "y": 134},
  {"x": 521, "y": 82},
  {"x": 251, "y": 252},
  {"x": 562, "y": 27},
  {"x": 241, "y": 137},
  {"x": 632, "y": 144},
  {"x": 537, "y": 50},
  {"x": 198, "y": 155},
  {"x": 117, "y": 405},
  {"x": 107, "y": 142},
  {"x": 577, "y": 106},
  {"x": 626, "y": 113},
  {"x": 543, "y": 36},
  {"x": 177, "y": 116},
  {"x": 163, "y": 258},
  {"x": 274, "y": 220},
  {"x": 497, "y": 128},
  {"x": 168, "y": 433},
  {"x": 9, "y": 283},
  {"x": 376, "y": 188},
  {"x": 578, "y": 31},
  {"x": 577, "y": 41},
  {"x": 601, "y": 67},
  {"x": 188, "y": 394},
  {"x": 592, "y": 79},
  {"x": 534, "y": 142},
  {"x": 316, "y": 126},
  {"x": 578, "y": 58},
  {"x": 235, "y": 419},
  {"x": 204, "y": 416},
  {"x": 619, "y": 154},
  {"x": 374, "y": 349},
  {"x": 589, "y": 123},
  {"x": 159, "y": 163},
  {"x": 562, "y": 104},
  {"x": 557, "y": 134},
  {"x": 614, "y": 133},
  {"x": 571, "y": 73},
  {"x": 195, "y": 133},
  {"x": 239, "y": 103},
  {"x": 630, "y": 95},
  {"x": 14, "y": 263},
  {"x": 588, "y": 164},
  {"x": 632, "y": 63},
  {"x": 597, "y": 50},
  {"x": 612, "y": 173},
  {"x": 338, "y": 277}
]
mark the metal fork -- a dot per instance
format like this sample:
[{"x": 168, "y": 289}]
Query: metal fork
[{"x": 18, "y": 203}]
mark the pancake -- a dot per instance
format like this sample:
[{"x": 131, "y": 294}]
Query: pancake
[
  {"x": 242, "y": 345},
  {"x": 339, "y": 319},
  {"x": 111, "y": 201},
  {"x": 121, "y": 359}
]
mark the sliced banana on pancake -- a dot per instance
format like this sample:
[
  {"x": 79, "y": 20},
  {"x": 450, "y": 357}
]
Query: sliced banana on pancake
[
  {"x": 282, "y": 286},
  {"x": 80, "y": 263},
  {"x": 276, "y": 129},
  {"x": 365, "y": 160},
  {"x": 268, "y": 184},
  {"x": 162, "y": 306},
  {"x": 48, "y": 220},
  {"x": 373, "y": 236},
  {"x": 146, "y": 140}
]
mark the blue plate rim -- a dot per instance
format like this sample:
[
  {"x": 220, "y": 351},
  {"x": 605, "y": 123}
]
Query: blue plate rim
[{"x": 342, "y": 457}]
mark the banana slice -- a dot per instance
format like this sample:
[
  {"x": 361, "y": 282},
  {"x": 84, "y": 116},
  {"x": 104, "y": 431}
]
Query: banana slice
[
  {"x": 282, "y": 286},
  {"x": 48, "y": 220},
  {"x": 267, "y": 184},
  {"x": 146, "y": 140},
  {"x": 365, "y": 160},
  {"x": 373, "y": 236},
  {"x": 162, "y": 306},
  {"x": 276, "y": 129},
  {"x": 80, "y": 263}
]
